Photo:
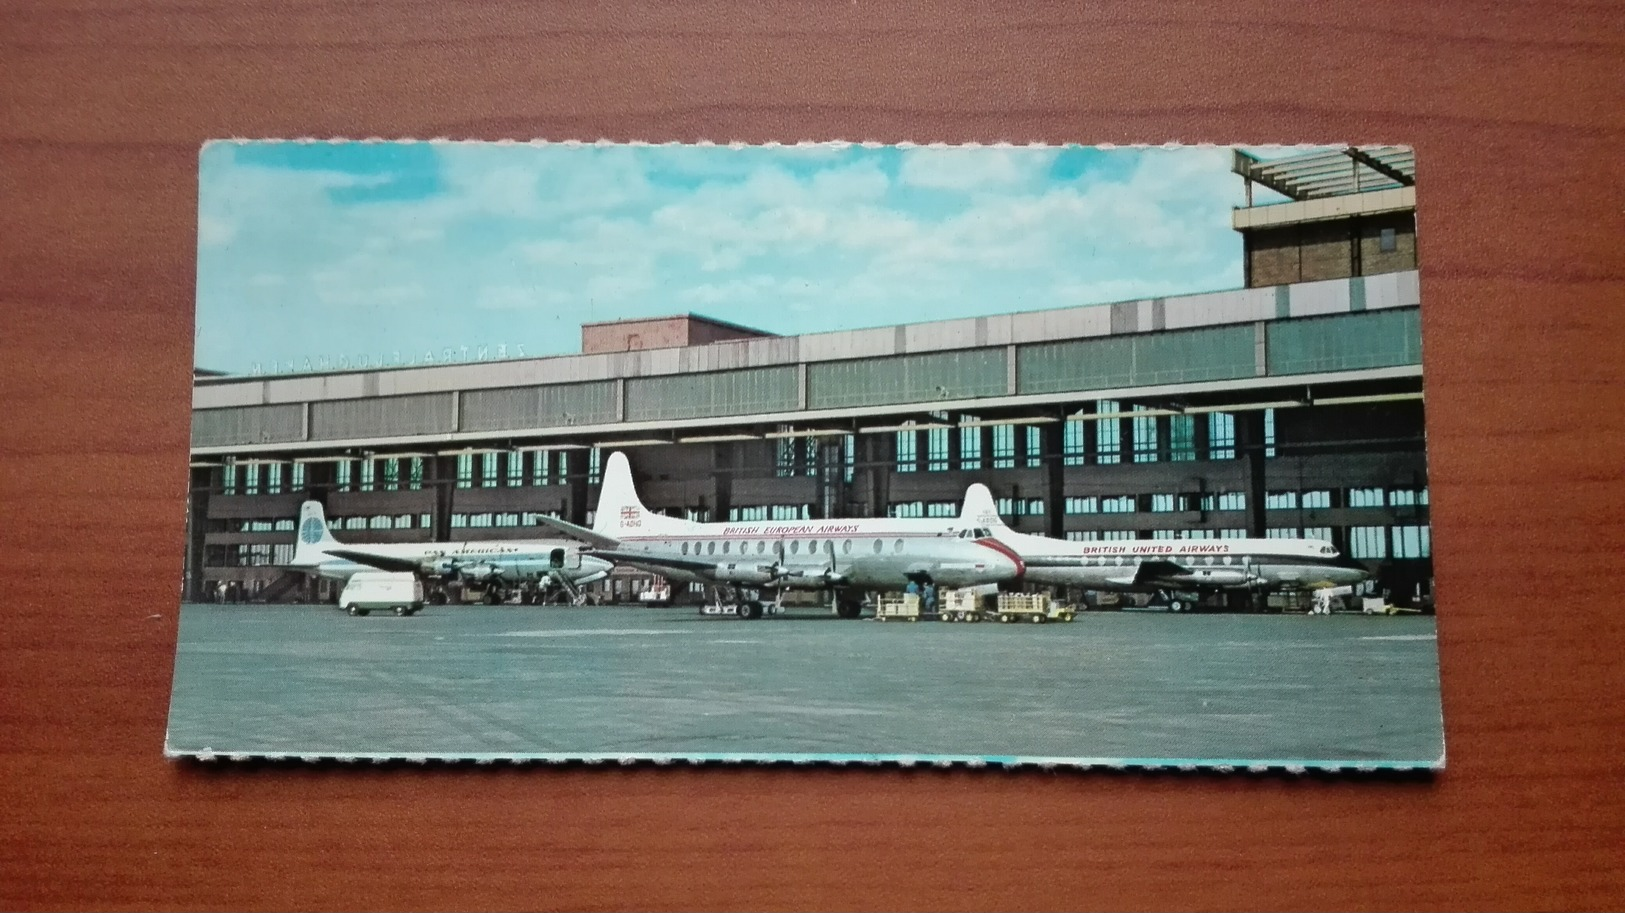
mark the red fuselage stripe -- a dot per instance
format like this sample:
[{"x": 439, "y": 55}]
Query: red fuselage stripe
[{"x": 1006, "y": 551}]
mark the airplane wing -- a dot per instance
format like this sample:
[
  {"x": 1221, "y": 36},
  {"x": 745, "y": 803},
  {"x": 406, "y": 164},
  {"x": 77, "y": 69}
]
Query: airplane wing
[
  {"x": 1154, "y": 570},
  {"x": 381, "y": 562},
  {"x": 644, "y": 558},
  {"x": 597, "y": 540}
]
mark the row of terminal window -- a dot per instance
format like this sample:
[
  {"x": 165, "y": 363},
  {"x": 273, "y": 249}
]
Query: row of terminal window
[{"x": 1009, "y": 446}]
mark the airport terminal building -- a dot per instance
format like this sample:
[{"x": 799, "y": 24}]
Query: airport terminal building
[{"x": 1292, "y": 406}]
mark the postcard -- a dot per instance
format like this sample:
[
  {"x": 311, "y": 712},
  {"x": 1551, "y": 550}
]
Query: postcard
[{"x": 1054, "y": 455}]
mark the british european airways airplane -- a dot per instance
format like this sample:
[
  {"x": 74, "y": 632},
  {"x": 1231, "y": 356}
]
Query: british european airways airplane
[{"x": 850, "y": 557}]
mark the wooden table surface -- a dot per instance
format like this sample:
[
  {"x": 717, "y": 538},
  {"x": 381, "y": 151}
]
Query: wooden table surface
[{"x": 1517, "y": 111}]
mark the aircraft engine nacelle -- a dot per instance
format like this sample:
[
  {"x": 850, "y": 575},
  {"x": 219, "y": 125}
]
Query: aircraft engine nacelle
[
  {"x": 440, "y": 567},
  {"x": 1220, "y": 577},
  {"x": 480, "y": 573},
  {"x": 755, "y": 574}
]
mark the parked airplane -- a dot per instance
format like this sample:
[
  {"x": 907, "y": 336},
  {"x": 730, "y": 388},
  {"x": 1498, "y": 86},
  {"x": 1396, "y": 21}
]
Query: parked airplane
[
  {"x": 848, "y": 556},
  {"x": 499, "y": 567},
  {"x": 1173, "y": 565}
]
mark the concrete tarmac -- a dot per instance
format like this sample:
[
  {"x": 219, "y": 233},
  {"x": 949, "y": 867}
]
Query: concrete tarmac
[{"x": 527, "y": 682}]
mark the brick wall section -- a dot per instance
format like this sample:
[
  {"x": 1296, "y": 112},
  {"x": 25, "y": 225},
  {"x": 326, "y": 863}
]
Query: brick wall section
[{"x": 1313, "y": 251}]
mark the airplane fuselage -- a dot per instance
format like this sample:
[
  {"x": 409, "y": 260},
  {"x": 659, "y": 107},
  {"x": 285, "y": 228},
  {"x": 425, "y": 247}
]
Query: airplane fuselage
[{"x": 1183, "y": 564}]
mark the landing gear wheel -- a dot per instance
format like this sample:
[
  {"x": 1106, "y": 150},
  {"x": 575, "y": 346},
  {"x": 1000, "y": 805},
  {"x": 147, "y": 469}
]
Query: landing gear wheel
[
  {"x": 751, "y": 610},
  {"x": 490, "y": 598},
  {"x": 1175, "y": 605},
  {"x": 848, "y": 609}
]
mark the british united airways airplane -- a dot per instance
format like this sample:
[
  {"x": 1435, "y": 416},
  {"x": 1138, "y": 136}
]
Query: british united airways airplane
[
  {"x": 1174, "y": 565},
  {"x": 499, "y": 567},
  {"x": 850, "y": 557}
]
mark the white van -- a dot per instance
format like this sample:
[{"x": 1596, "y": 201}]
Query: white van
[{"x": 368, "y": 590}]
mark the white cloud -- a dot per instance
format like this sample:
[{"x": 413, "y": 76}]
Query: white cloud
[
  {"x": 975, "y": 168},
  {"x": 215, "y": 231}
]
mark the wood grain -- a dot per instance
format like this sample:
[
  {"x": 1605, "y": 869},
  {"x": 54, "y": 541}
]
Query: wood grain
[{"x": 1518, "y": 116}]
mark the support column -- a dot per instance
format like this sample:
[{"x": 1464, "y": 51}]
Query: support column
[
  {"x": 1250, "y": 447},
  {"x": 440, "y": 476},
  {"x": 1052, "y": 439}
]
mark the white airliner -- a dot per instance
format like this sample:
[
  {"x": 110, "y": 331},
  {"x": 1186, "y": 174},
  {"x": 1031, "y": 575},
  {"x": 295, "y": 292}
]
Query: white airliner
[
  {"x": 848, "y": 556},
  {"x": 1175, "y": 565},
  {"x": 499, "y": 567}
]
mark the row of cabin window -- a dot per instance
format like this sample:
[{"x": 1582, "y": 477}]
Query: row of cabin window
[{"x": 790, "y": 547}]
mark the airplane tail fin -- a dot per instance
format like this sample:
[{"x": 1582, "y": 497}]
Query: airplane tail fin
[
  {"x": 620, "y": 513},
  {"x": 980, "y": 509},
  {"x": 314, "y": 536}
]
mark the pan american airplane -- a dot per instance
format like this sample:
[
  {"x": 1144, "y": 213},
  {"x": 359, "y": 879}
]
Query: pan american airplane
[{"x": 499, "y": 567}]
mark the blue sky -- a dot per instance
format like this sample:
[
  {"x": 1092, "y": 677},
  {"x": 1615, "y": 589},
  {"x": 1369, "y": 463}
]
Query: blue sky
[{"x": 395, "y": 251}]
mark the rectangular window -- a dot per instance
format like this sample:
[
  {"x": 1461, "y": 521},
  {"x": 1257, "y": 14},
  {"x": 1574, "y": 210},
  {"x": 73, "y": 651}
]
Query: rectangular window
[
  {"x": 1232, "y": 534},
  {"x": 970, "y": 447},
  {"x": 1196, "y": 534},
  {"x": 1082, "y": 535},
  {"x": 489, "y": 472},
  {"x": 1035, "y": 447},
  {"x": 1145, "y": 437},
  {"x": 507, "y": 519},
  {"x": 1232, "y": 500},
  {"x": 784, "y": 456},
  {"x": 1083, "y": 505},
  {"x": 379, "y": 522},
  {"x": 809, "y": 463},
  {"x": 415, "y": 474},
  {"x": 1365, "y": 497},
  {"x": 1162, "y": 534},
  {"x": 297, "y": 482},
  {"x": 1317, "y": 499},
  {"x": 228, "y": 479},
  {"x": 936, "y": 449},
  {"x": 480, "y": 520},
  {"x": 1108, "y": 433},
  {"x": 540, "y": 462},
  {"x": 1035, "y": 507},
  {"x": 251, "y": 479},
  {"x": 1388, "y": 241},
  {"x": 392, "y": 474},
  {"x": 849, "y": 455},
  {"x": 1322, "y": 533},
  {"x": 1280, "y": 500},
  {"x": 369, "y": 474},
  {"x": 1182, "y": 438},
  {"x": 342, "y": 472},
  {"x": 1281, "y": 532},
  {"x": 1407, "y": 497},
  {"x": 273, "y": 479},
  {"x": 942, "y": 509},
  {"x": 403, "y": 521},
  {"x": 908, "y": 509},
  {"x": 1122, "y": 504},
  {"x": 907, "y": 451},
  {"x": 1073, "y": 439},
  {"x": 425, "y": 521},
  {"x": 1269, "y": 432},
  {"x": 355, "y": 522},
  {"x": 1221, "y": 436},
  {"x": 465, "y": 470},
  {"x": 1368, "y": 542},
  {"x": 459, "y": 521},
  {"x": 1412, "y": 542},
  {"x": 1004, "y": 446},
  {"x": 516, "y": 468},
  {"x": 595, "y": 466},
  {"x": 1162, "y": 503},
  {"x": 1117, "y": 535}
]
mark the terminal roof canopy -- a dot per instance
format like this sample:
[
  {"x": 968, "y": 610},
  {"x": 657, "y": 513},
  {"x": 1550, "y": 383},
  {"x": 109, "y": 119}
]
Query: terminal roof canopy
[{"x": 1331, "y": 172}]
